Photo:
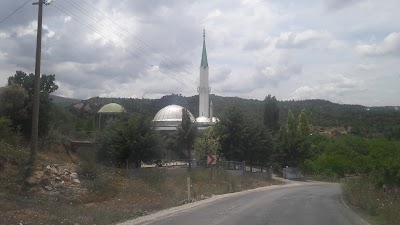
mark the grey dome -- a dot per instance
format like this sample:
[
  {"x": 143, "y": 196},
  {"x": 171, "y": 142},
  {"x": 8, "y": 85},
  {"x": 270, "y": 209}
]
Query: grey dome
[{"x": 170, "y": 117}]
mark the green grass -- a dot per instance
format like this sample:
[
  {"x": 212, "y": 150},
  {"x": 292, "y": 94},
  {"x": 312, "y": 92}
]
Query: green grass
[{"x": 382, "y": 207}]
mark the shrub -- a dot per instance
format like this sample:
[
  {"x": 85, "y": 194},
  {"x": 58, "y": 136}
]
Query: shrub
[{"x": 88, "y": 170}]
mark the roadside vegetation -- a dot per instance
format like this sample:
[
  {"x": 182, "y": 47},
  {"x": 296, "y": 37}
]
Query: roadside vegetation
[{"x": 368, "y": 168}]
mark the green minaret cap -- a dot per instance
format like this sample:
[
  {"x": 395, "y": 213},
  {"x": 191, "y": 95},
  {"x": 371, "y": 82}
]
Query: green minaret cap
[{"x": 204, "y": 62}]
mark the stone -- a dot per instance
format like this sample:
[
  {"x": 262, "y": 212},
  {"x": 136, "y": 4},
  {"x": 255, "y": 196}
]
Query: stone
[
  {"x": 66, "y": 178},
  {"x": 74, "y": 175},
  {"x": 58, "y": 185},
  {"x": 31, "y": 181},
  {"x": 45, "y": 182},
  {"x": 48, "y": 188},
  {"x": 38, "y": 174},
  {"x": 76, "y": 181}
]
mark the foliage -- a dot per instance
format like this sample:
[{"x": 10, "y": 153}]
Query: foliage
[
  {"x": 13, "y": 100},
  {"x": 382, "y": 206},
  {"x": 378, "y": 158},
  {"x": 243, "y": 139},
  {"x": 187, "y": 131},
  {"x": 271, "y": 113},
  {"x": 207, "y": 144},
  {"x": 303, "y": 128},
  {"x": 293, "y": 143},
  {"x": 25, "y": 81},
  {"x": 129, "y": 138}
]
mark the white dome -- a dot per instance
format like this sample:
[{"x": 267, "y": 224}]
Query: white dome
[{"x": 170, "y": 117}]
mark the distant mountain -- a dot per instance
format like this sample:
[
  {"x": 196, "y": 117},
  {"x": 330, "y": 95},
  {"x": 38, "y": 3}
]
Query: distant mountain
[
  {"x": 64, "y": 101},
  {"x": 321, "y": 113}
]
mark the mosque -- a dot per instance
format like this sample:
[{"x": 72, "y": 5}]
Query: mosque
[{"x": 170, "y": 117}]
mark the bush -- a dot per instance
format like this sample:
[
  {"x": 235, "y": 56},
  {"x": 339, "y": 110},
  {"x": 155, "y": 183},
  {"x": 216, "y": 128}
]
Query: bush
[
  {"x": 364, "y": 194},
  {"x": 88, "y": 170}
]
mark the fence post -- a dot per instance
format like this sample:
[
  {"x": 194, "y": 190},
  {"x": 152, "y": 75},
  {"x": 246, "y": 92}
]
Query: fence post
[
  {"x": 188, "y": 188},
  {"x": 244, "y": 167}
]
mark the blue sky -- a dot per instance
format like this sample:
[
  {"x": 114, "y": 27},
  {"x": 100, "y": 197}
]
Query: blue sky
[{"x": 345, "y": 51}]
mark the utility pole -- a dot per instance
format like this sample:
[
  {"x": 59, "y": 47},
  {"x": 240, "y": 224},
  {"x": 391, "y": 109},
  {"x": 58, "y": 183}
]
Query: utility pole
[{"x": 36, "y": 90}]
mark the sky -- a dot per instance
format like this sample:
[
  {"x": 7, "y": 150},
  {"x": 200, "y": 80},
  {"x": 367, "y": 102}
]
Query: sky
[{"x": 344, "y": 51}]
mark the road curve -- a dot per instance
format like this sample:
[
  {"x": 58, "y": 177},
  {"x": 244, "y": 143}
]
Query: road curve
[{"x": 301, "y": 203}]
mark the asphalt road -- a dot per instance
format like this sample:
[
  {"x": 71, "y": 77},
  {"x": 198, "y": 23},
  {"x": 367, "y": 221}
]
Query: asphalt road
[{"x": 292, "y": 204}]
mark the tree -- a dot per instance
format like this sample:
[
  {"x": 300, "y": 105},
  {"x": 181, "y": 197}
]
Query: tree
[
  {"x": 13, "y": 104},
  {"x": 231, "y": 134},
  {"x": 303, "y": 128},
  {"x": 207, "y": 144},
  {"x": 129, "y": 138},
  {"x": 293, "y": 148},
  {"x": 187, "y": 133},
  {"x": 47, "y": 86},
  {"x": 271, "y": 113},
  {"x": 291, "y": 124},
  {"x": 258, "y": 143}
]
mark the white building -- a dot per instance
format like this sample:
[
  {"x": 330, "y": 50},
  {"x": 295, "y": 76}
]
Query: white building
[{"x": 170, "y": 117}]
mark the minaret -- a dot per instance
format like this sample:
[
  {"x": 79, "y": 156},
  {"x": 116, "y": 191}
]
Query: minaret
[{"x": 204, "y": 89}]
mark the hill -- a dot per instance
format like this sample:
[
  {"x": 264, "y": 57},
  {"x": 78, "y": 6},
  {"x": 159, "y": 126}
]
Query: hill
[
  {"x": 62, "y": 101},
  {"x": 362, "y": 119}
]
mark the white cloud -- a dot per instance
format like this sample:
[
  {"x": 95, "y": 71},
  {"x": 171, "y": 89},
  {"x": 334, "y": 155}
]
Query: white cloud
[
  {"x": 301, "y": 39},
  {"x": 336, "y": 88},
  {"x": 67, "y": 19},
  {"x": 255, "y": 47},
  {"x": 389, "y": 45}
]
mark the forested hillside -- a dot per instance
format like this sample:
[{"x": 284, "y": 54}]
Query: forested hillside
[{"x": 362, "y": 120}]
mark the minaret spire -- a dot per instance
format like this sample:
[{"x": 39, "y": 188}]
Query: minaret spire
[
  {"x": 204, "y": 89},
  {"x": 204, "y": 62}
]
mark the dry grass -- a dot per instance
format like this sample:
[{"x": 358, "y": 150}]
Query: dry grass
[
  {"x": 114, "y": 195},
  {"x": 382, "y": 207}
]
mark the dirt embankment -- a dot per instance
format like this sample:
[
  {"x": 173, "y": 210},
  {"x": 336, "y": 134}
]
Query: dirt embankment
[{"x": 59, "y": 194}]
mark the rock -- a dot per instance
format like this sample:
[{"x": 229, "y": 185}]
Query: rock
[
  {"x": 38, "y": 174},
  {"x": 31, "y": 181},
  {"x": 51, "y": 170},
  {"x": 58, "y": 185},
  {"x": 48, "y": 188},
  {"x": 66, "y": 178},
  {"x": 58, "y": 178},
  {"x": 45, "y": 182},
  {"x": 74, "y": 175},
  {"x": 76, "y": 181}
]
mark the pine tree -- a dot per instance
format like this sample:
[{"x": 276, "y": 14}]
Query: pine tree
[
  {"x": 303, "y": 128},
  {"x": 271, "y": 113}
]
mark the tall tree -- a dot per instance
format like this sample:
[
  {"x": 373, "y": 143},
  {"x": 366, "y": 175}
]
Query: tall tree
[
  {"x": 13, "y": 104},
  {"x": 231, "y": 134},
  {"x": 291, "y": 124},
  {"x": 271, "y": 113},
  {"x": 47, "y": 86},
  {"x": 303, "y": 127},
  {"x": 187, "y": 133},
  {"x": 208, "y": 143},
  {"x": 129, "y": 138}
]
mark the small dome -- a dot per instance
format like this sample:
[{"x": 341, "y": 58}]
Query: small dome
[
  {"x": 171, "y": 113},
  {"x": 112, "y": 108},
  {"x": 215, "y": 120}
]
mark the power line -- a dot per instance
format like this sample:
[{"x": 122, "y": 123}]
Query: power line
[
  {"x": 165, "y": 57},
  {"x": 147, "y": 53},
  {"x": 72, "y": 15},
  {"x": 14, "y": 11}
]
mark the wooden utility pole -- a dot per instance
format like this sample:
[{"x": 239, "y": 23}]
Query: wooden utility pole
[{"x": 36, "y": 89}]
